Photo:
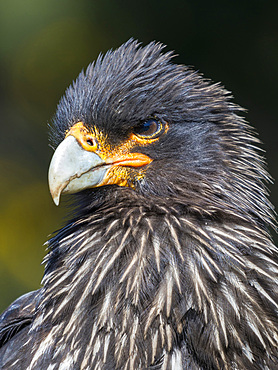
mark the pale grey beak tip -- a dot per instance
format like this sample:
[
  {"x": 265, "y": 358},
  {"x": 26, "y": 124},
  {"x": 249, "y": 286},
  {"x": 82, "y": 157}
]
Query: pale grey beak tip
[{"x": 56, "y": 200}]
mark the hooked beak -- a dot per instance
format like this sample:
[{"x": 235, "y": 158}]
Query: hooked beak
[{"x": 72, "y": 168}]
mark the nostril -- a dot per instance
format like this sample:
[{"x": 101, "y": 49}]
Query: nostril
[{"x": 90, "y": 142}]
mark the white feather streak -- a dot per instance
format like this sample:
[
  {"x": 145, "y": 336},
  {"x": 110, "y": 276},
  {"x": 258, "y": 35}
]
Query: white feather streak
[
  {"x": 154, "y": 345},
  {"x": 133, "y": 335},
  {"x": 169, "y": 292},
  {"x": 156, "y": 248},
  {"x": 177, "y": 360},
  {"x": 176, "y": 239},
  {"x": 105, "y": 309},
  {"x": 112, "y": 260},
  {"x": 106, "y": 346}
]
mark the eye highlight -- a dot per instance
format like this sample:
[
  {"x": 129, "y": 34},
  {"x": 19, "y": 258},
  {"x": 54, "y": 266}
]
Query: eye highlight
[{"x": 149, "y": 129}]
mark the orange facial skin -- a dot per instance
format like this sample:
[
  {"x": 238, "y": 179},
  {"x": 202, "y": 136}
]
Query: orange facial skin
[{"x": 119, "y": 157}]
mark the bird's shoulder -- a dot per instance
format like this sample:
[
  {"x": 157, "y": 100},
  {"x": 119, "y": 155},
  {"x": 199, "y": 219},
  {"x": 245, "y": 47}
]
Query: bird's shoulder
[{"x": 17, "y": 316}]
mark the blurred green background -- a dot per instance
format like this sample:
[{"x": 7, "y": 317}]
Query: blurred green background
[{"x": 43, "y": 46}]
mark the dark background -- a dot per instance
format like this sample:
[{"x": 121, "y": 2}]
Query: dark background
[{"x": 43, "y": 46}]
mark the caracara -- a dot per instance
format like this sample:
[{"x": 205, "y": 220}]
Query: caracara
[{"x": 166, "y": 261}]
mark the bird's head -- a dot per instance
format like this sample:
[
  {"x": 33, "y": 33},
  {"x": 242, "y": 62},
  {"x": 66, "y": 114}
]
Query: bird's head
[{"x": 137, "y": 121}]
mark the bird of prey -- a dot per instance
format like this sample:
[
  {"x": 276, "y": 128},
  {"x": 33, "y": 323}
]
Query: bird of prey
[{"x": 166, "y": 261}]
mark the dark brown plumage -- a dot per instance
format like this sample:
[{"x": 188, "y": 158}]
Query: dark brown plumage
[{"x": 167, "y": 262}]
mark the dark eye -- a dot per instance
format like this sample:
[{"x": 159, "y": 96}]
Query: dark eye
[{"x": 149, "y": 129}]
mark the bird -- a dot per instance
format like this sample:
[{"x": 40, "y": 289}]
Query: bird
[{"x": 166, "y": 260}]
